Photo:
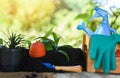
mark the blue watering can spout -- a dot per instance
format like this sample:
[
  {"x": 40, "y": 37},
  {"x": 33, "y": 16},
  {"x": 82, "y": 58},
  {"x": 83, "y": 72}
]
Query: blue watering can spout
[{"x": 82, "y": 26}]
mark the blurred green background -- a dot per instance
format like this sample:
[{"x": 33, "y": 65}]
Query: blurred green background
[{"x": 34, "y": 18}]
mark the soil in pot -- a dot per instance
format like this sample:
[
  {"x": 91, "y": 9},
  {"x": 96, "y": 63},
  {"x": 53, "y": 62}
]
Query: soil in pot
[{"x": 77, "y": 57}]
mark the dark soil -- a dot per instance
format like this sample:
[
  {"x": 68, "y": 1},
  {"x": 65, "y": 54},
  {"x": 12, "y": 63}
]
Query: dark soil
[{"x": 77, "y": 57}]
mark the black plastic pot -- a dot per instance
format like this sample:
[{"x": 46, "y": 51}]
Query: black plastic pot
[{"x": 11, "y": 59}]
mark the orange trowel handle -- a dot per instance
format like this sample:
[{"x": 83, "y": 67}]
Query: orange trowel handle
[{"x": 77, "y": 68}]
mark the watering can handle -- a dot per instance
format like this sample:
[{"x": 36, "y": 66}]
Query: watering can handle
[{"x": 113, "y": 30}]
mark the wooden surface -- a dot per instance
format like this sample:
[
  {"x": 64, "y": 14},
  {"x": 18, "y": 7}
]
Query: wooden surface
[
  {"x": 25, "y": 75},
  {"x": 90, "y": 63},
  {"x": 56, "y": 75}
]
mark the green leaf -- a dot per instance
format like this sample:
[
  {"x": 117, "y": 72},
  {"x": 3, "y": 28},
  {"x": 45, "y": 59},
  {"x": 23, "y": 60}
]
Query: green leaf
[
  {"x": 1, "y": 41},
  {"x": 41, "y": 39},
  {"x": 56, "y": 38},
  {"x": 54, "y": 35},
  {"x": 65, "y": 54},
  {"x": 66, "y": 46},
  {"x": 45, "y": 36},
  {"x": 48, "y": 44},
  {"x": 48, "y": 33}
]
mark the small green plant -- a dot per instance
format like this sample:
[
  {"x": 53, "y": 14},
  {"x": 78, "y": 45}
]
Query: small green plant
[
  {"x": 52, "y": 44},
  {"x": 1, "y": 43},
  {"x": 13, "y": 40}
]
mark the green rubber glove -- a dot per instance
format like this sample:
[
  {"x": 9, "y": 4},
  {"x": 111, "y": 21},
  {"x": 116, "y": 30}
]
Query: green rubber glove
[
  {"x": 108, "y": 59},
  {"x": 102, "y": 51}
]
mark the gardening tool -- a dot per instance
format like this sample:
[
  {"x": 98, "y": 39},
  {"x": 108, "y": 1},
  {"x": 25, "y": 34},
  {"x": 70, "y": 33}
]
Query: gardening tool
[
  {"x": 102, "y": 51},
  {"x": 104, "y": 27},
  {"x": 82, "y": 26},
  {"x": 76, "y": 68}
]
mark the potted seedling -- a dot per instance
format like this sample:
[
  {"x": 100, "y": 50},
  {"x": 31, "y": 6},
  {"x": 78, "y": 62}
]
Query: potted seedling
[
  {"x": 52, "y": 44},
  {"x": 12, "y": 54},
  {"x": 42, "y": 48},
  {"x": 64, "y": 55},
  {"x": 61, "y": 55}
]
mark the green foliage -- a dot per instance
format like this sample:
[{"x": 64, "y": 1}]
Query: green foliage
[
  {"x": 1, "y": 43},
  {"x": 52, "y": 44},
  {"x": 47, "y": 42},
  {"x": 13, "y": 40},
  {"x": 48, "y": 33},
  {"x": 56, "y": 38}
]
